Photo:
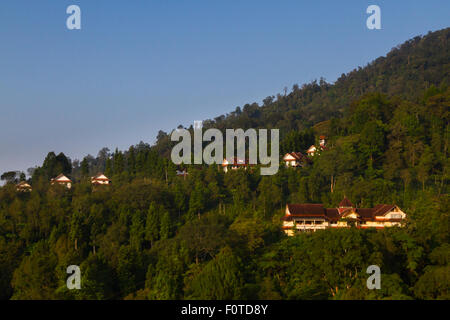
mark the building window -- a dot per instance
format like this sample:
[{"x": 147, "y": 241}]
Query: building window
[{"x": 396, "y": 216}]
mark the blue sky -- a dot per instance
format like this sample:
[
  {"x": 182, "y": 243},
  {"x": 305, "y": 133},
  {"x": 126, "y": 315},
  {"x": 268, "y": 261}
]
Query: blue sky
[{"x": 139, "y": 66}]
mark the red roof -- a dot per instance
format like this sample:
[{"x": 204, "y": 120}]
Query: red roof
[
  {"x": 332, "y": 213},
  {"x": 297, "y": 155},
  {"x": 365, "y": 213},
  {"x": 382, "y": 209},
  {"x": 345, "y": 203},
  {"x": 309, "y": 209}
]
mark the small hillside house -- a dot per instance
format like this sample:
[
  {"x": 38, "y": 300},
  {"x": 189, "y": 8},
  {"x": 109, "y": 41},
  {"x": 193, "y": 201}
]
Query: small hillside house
[
  {"x": 234, "y": 164},
  {"x": 322, "y": 141},
  {"x": 311, "y": 217},
  {"x": 23, "y": 187},
  {"x": 313, "y": 149},
  {"x": 294, "y": 159},
  {"x": 182, "y": 173},
  {"x": 100, "y": 179},
  {"x": 62, "y": 180}
]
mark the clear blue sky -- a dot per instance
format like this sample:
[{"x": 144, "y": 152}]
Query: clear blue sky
[{"x": 140, "y": 66}]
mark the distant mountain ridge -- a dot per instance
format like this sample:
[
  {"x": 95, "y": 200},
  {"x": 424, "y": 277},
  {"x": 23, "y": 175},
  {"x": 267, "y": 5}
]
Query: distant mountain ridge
[{"x": 407, "y": 70}]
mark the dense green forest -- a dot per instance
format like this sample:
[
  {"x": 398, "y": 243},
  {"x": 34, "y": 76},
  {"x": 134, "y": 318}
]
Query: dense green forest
[{"x": 210, "y": 235}]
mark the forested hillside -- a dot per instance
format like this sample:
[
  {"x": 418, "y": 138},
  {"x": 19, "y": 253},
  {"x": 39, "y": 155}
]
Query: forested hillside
[
  {"x": 210, "y": 235},
  {"x": 406, "y": 71}
]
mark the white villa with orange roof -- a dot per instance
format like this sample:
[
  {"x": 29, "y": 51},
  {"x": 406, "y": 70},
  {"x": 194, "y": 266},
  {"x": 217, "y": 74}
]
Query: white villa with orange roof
[
  {"x": 295, "y": 159},
  {"x": 62, "y": 180},
  {"x": 23, "y": 186},
  {"x": 100, "y": 179},
  {"x": 313, "y": 149},
  {"x": 312, "y": 217}
]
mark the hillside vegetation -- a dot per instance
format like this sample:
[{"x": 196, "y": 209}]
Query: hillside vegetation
[{"x": 211, "y": 235}]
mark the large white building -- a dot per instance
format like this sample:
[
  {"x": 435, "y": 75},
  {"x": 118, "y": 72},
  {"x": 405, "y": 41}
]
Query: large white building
[{"x": 312, "y": 217}]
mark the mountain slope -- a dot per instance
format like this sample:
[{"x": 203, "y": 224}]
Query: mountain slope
[{"x": 407, "y": 70}]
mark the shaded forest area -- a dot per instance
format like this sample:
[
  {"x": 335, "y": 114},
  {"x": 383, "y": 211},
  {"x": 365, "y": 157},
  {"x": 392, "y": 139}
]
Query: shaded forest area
[{"x": 155, "y": 235}]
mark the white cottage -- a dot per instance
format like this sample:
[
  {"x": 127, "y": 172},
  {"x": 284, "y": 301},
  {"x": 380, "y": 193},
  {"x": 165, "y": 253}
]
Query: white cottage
[
  {"x": 100, "y": 179},
  {"x": 62, "y": 180},
  {"x": 294, "y": 159}
]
